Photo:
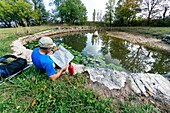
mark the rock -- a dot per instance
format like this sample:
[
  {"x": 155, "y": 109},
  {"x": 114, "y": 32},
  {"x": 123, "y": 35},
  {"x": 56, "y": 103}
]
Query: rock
[
  {"x": 95, "y": 34},
  {"x": 78, "y": 68},
  {"x": 156, "y": 84},
  {"x": 146, "y": 84},
  {"x": 167, "y": 76},
  {"x": 110, "y": 78},
  {"x": 166, "y": 39}
]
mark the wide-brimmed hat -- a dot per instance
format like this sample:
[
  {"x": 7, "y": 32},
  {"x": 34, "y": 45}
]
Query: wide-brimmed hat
[{"x": 46, "y": 42}]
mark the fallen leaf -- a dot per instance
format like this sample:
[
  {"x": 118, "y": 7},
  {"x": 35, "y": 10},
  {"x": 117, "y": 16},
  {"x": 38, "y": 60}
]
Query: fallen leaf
[
  {"x": 149, "y": 92},
  {"x": 96, "y": 95},
  {"x": 50, "y": 96},
  {"x": 33, "y": 78},
  {"x": 152, "y": 102},
  {"x": 33, "y": 102}
]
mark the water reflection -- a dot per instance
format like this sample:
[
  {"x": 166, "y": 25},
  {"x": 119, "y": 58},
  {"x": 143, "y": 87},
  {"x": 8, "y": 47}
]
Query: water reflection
[
  {"x": 76, "y": 41},
  {"x": 93, "y": 45},
  {"x": 132, "y": 57}
]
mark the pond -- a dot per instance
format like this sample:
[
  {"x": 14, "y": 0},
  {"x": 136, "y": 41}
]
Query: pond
[{"x": 132, "y": 57}]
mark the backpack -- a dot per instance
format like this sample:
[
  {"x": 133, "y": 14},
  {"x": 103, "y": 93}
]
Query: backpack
[{"x": 12, "y": 67}]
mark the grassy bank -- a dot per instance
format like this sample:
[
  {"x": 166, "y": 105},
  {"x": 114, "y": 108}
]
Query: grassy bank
[
  {"x": 34, "y": 92},
  {"x": 7, "y": 35},
  {"x": 157, "y": 32}
]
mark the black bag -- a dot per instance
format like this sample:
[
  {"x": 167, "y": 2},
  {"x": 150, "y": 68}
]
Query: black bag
[{"x": 13, "y": 66}]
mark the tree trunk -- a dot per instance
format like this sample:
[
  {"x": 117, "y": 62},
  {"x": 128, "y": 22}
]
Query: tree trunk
[{"x": 165, "y": 10}]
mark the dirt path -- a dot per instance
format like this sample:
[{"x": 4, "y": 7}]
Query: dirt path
[{"x": 149, "y": 42}]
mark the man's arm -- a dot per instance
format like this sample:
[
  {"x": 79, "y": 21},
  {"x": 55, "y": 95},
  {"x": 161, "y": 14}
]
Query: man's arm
[{"x": 57, "y": 75}]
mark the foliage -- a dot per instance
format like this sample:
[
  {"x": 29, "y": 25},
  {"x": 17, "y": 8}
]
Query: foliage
[
  {"x": 126, "y": 11},
  {"x": 42, "y": 14},
  {"x": 109, "y": 16},
  {"x": 57, "y": 2},
  {"x": 14, "y": 11},
  {"x": 72, "y": 11},
  {"x": 94, "y": 15}
]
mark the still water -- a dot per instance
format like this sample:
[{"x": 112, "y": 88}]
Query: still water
[{"x": 131, "y": 57}]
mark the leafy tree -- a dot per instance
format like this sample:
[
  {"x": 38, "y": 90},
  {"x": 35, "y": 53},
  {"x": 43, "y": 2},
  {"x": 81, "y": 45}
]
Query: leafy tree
[
  {"x": 108, "y": 17},
  {"x": 40, "y": 10},
  {"x": 17, "y": 11},
  {"x": 72, "y": 11},
  {"x": 94, "y": 15},
  {"x": 57, "y": 2},
  {"x": 126, "y": 10}
]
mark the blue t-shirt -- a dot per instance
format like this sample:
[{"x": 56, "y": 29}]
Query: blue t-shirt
[{"x": 43, "y": 62}]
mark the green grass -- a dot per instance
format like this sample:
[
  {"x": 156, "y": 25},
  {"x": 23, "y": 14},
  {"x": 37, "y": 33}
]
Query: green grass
[
  {"x": 66, "y": 94},
  {"x": 7, "y": 35},
  {"x": 35, "y": 92}
]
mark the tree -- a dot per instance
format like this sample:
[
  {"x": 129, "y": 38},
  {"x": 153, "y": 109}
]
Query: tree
[
  {"x": 165, "y": 7},
  {"x": 57, "y": 2},
  {"x": 151, "y": 9},
  {"x": 18, "y": 11},
  {"x": 109, "y": 15},
  {"x": 94, "y": 15},
  {"x": 39, "y": 8},
  {"x": 72, "y": 11},
  {"x": 126, "y": 10},
  {"x": 99, "y": 15}
]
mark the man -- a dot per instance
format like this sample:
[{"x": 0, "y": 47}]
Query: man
[{"x": 41, "y": 60}]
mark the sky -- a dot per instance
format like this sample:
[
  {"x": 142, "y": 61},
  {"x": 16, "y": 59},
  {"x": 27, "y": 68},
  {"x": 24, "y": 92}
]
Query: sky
[{"x": 98, "y": 5}]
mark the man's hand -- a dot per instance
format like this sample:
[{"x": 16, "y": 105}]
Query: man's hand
[
  {"x": 50, "y": 53},
  {"x": 64, "y": 68},
  {"x": 55, "y": 49}
]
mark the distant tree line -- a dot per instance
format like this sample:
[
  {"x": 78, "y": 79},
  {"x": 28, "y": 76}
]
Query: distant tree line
[
  {"x": 32, "y": 12},
  {"x": 15, "y": 13},
  {"x": 137, "y": 13}
]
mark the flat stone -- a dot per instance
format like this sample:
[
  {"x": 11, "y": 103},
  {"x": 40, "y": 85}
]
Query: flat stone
[
  {"x": 110, "y": 78},
  {"x": 147, "y": 84},
  {"x": 157, "y": 85}
]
